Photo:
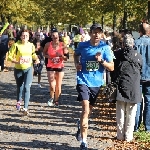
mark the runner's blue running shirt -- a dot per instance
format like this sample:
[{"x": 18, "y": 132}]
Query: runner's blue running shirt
[{"x": 92, "y": 73}]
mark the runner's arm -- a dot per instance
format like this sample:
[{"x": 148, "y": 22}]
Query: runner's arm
[
  {"x": 108, "y": 65},
  {"x": 108, "y": 59},
  {"x": 46, "y": 50},
  {"x": 76, "y": 59},
  {"x": 77, "y": 55},
  {"x": 12, "y": 54}
]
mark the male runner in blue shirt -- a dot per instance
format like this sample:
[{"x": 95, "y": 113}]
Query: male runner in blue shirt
[{"x": 91, "y": 58}]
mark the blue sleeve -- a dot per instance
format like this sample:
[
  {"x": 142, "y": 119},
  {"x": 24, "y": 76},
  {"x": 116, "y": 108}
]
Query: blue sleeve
[
  {"x": 108, "y": 54},
  {"x": 78, "y": 49},
  {"x": 137, "y": 43}
]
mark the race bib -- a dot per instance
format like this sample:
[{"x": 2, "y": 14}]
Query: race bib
[
  {"x": 92, "y": 65},
  {"x": 25, "y": 60},
  {"x": 56, "y": 60}
]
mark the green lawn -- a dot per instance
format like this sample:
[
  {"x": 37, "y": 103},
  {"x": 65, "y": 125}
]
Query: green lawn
[{"x": 143, "y": 138}]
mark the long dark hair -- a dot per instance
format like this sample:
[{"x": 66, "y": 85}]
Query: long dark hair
[{"x": 116, "y": 43}]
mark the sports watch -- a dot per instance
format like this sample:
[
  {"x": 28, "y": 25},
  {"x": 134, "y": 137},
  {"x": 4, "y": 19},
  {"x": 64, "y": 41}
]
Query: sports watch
[{"x": 102, "y": 61}]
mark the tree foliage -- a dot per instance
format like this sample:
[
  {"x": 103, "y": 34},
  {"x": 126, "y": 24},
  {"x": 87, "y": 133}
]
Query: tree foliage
[{"x": 37, "y": 12}]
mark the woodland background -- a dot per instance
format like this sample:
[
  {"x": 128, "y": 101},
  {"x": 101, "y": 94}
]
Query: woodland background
[{"x": 46, "y": 12}]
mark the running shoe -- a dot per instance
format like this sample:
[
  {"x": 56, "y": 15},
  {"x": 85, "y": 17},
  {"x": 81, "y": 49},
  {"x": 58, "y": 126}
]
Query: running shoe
[
  {"x": 51, "y": 102},
  {"x": 83, "y": 146},
  {"x": 39, "y": 85},
  {"x": 18, "y": 105},
  {"x": 56, "y": 104},
  {"x": 24, "y": 112},
  {"x": 78, "y": 134}
]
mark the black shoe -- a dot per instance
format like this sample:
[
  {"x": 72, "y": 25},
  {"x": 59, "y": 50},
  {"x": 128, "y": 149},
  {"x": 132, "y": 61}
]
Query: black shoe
[
  {"x": 35, "y": 73},
  {"x": 78, "y": 135},
  {"x": 83, "y": 146}
]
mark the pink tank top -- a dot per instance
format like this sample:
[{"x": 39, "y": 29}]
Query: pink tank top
[{"x": 55, "y": 61}]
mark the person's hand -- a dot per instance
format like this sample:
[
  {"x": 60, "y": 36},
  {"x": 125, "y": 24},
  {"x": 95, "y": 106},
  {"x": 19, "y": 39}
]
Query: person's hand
[
  {"x": 98, "y": 56},
  {"x": 38, "y": 56},
  {"x": 78, "y": 66},
  {"x": 37, "y": 61}
]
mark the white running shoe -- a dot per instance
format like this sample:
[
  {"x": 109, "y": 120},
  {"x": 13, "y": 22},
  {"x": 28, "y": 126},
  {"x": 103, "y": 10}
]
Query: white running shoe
[
  {"x": 51, "y": 102},
  {"x": 39, "y": 85}
]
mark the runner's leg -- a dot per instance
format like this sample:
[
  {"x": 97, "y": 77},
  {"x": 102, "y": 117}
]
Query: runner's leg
[
  {"x": 27, "y": 85},
  {"x": 52, "y": 83},
  {"x": 59, "y": 78},
  {"x": 39, "y": 73},
  {"x": 84, "y": 119},
  {"x": 19, "y": 77}
]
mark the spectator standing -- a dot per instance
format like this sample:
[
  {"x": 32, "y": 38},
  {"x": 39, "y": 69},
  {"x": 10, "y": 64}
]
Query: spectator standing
[
  {"x": 142, "y": 44},
  {"x": 77, "y": 38},
  {"x": 128, "y": 91},
  {"x": 3, "y": 49},
  {"x": 66, "y": 39}
]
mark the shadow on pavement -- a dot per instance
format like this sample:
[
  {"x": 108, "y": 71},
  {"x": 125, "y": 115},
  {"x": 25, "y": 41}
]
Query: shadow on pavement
[{"x": 37, "y": 144}]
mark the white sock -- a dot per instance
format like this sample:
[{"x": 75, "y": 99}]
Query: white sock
[
  {"x": 84, "y": 140},
  {"x": 25, "y": 109}
]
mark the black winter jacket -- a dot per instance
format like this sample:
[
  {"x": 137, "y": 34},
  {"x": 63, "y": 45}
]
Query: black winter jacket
[{"x": 128, "y": 74}]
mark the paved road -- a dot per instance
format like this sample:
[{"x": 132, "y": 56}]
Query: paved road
[{"x": 45, "y": 127}]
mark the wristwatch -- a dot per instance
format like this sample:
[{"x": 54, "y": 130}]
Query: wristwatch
[{"x": 102, "y": 61}]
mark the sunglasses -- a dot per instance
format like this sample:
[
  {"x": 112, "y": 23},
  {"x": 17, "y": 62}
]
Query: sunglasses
[{"x": 37, "y": 35}]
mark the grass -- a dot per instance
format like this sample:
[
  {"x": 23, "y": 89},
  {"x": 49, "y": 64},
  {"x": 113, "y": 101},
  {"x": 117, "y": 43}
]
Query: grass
[
  {"x": 142, "y": 135},
  {"x": 143, "y": 138}
]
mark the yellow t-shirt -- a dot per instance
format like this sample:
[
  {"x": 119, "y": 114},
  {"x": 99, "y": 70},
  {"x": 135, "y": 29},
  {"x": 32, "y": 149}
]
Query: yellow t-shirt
[
  {"x": 65, "y": 40},
  {"x": 77, "y": 38},
  {"x": 24, "y": 53}
]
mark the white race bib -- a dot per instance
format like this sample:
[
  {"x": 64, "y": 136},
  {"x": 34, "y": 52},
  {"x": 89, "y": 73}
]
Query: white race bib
[
  {"x": 25, "y": 60},
  {"x": 56, "y": 60}
]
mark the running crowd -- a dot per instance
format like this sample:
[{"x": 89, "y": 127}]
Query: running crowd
[{"x": 126, "y": 61}]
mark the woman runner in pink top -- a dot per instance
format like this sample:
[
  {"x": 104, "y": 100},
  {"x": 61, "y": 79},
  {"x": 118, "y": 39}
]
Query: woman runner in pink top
[{"x": 56, "y": 52}]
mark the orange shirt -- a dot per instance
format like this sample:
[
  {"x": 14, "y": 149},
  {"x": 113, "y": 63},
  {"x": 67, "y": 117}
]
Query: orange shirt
[{"x": 55, "y": 61}]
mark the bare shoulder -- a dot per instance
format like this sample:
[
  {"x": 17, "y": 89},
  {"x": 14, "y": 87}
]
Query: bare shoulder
[{"x": 47, "y": 44}]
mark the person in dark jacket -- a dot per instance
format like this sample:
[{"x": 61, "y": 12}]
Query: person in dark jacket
[
  {"x": 38, "y": 50},
  {"x": 3, "y": 49},
  {"x": 128, "y": 91}
]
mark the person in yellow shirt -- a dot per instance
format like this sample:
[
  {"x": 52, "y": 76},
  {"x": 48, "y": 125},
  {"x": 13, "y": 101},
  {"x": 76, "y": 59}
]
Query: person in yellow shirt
[
  {"x": 21, "y": 54},
  {"x": 77, "y": 38},
  {"x": 66, "y": 39}
]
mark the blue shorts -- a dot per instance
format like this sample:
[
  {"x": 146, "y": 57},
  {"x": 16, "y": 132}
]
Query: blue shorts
[{"x": 87, "y": 93}]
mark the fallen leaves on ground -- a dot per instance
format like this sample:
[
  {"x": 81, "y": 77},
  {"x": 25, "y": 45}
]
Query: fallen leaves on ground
[{"x": 105, "y": 117}]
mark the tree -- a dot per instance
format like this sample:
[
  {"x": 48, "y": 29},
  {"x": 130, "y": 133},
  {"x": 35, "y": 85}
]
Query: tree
[{"x": 37, "y": 12}]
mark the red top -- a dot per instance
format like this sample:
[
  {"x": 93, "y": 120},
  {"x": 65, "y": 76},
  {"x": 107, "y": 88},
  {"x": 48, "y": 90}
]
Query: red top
[{"x": 55, "y": 61}]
